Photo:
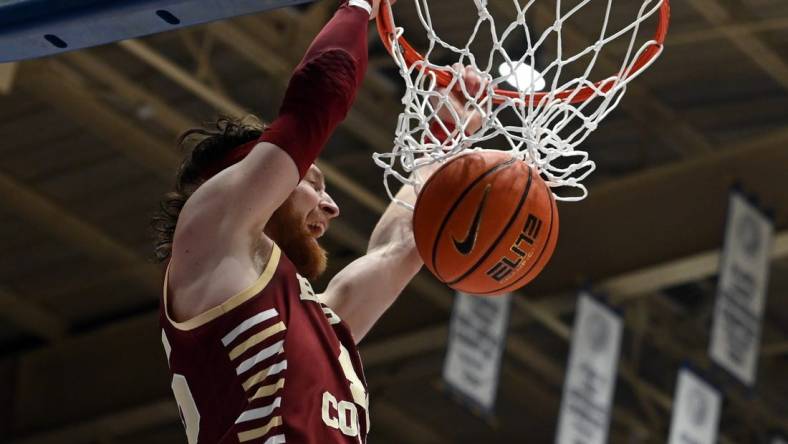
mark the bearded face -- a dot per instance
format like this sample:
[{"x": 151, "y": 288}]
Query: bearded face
[
  {"x": 287, "y": 228},
  {"x": 301, "y": 220}
]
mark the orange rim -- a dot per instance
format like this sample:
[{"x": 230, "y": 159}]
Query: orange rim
[{"x": 385, "y": 25}]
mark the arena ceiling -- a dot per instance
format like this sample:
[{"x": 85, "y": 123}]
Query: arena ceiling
[{"x": 87, "y": 148}]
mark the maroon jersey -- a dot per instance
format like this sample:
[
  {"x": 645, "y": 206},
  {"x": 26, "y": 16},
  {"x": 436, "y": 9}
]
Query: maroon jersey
[{"x": 270, "y": 365}]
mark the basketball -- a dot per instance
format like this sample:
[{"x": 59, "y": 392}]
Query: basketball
[{"x": 485, "y": 223}]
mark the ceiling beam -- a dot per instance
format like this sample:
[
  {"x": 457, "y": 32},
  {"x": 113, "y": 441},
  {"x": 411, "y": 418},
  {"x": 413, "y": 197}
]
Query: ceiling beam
[
  {"x": 748, "y": 114},
  {"x": 7, "y": 76},
  {"x": 751, "y": 45},
  {"x": 646, "y": 281},
  {"x": 57, "y": 221},
  {"x": 25, "y": 314},
  {"x": 55, "y": 83},
  {"x": 406, "y": 426},
  {"x": 639, "y": 315},
  {"x": 775, "y": 349},
  {"x": 405, "y": 346},
  {"x": 51, "y": 218},
  {"x": 201, "y": 54},
  {"x": 105, "y": 74},
  {"x": 728, "y": 30},
  {"x": 87, "y": 284},
  {"x": 183, "y": 78}
]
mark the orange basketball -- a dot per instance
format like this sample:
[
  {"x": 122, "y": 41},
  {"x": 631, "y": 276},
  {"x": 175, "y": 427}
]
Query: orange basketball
[{"x": 485, "y": 223}]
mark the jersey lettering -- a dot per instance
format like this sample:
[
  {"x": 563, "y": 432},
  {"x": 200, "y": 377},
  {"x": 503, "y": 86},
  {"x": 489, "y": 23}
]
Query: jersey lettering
[
  {"x": 187, "y": 408},
  {"x": 340, "y": 415},
  {"x": 343, "y": 415},
  {"x": 307, "y": 293},
  {"x": 330, "y": 410}
]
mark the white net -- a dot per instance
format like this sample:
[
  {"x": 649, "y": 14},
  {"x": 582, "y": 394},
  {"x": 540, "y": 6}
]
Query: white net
[{"x": 545, "y": 129}]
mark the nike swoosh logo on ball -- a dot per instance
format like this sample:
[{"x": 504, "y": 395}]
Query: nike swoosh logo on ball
[{"x": 466, "y": 246}]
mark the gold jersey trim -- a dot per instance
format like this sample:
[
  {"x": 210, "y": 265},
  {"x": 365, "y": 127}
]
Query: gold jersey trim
[
  {"x": 249, "y": 435},
  {"x": 229, "y": 304}
]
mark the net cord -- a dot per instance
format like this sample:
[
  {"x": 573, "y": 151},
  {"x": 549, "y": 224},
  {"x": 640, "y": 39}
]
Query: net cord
[{"x": 545, "y": 130}]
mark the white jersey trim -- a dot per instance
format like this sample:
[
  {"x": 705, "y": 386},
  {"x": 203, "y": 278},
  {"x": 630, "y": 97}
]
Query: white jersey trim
[
  {"x": 276, "y": 439},
  {"x": 262, "y": 412},
  {"x": 247, "y": 324},
  {"x": 261, "y": 356}
]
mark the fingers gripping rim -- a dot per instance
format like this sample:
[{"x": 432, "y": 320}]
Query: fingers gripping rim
[{"x": 388, "y": 33}]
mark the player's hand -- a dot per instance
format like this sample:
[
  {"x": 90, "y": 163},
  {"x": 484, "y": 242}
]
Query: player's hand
[
  {"x": 422, "y": 174},
  {"x": 475, "y": 85},
  {"x": 471, "y": 118}
]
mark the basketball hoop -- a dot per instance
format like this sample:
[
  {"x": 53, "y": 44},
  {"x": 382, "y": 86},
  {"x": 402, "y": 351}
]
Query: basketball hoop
[{"x": 547, "y": 116}]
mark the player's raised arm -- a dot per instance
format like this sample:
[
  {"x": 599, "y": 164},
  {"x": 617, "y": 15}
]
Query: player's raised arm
[
  {"x": 243, "y": 195},
  {"x": 366, "y": 288}
]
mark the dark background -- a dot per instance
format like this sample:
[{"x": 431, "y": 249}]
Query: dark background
[{"x": 87, "y": 149}]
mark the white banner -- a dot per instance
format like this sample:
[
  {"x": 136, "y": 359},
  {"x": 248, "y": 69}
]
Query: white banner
[
  {"x": 591, "y": 375},
  {"x": 696, "y": 411},
  {"x": 741, "y": 291},
  {"x": 477, "y": 337}
]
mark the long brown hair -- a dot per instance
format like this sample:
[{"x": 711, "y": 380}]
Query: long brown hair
[{"x": 202, "y": 148}]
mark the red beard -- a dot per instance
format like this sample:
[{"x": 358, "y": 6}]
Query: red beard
[{"x": 287, "y": 229}]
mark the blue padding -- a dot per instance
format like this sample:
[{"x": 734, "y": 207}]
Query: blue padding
[
  {"x": 36, "y": 28},
  {"x": 21, "y": 11}
]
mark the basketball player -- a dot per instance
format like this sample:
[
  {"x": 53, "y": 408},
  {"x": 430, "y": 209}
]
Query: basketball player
[{"x": 255, "y": 354}]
